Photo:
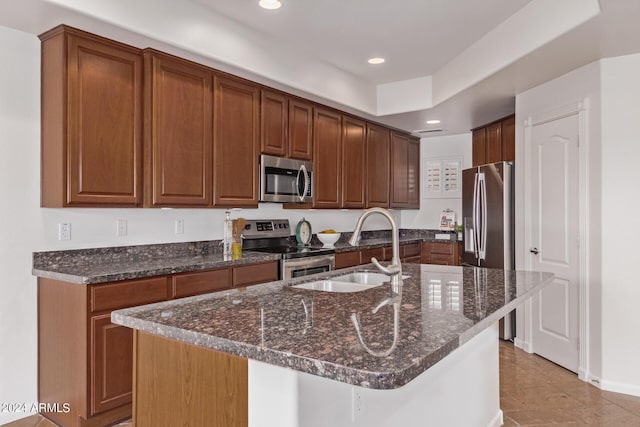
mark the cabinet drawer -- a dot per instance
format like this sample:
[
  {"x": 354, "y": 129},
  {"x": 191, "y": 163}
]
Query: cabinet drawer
[
  {"x": 188, "y": 284},
  {"x": 257, "y": 273},
  {"x": 442, "y": 259},
  {"x": 128, "y": 294},
  {"x": 442, "y": 248},
  {"x": 367, "y": 254},
  {"x": 347, "y": 259},
  {"x": 412, "y": 260},
  {"x": 411, "y": 250}
]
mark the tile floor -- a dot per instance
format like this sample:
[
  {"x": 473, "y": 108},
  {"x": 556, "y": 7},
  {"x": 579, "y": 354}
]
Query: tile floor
[{"x": 533, "y": 392}]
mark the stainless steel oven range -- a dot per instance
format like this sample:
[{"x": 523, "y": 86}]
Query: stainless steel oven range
[{"x": 274, "y": 236}]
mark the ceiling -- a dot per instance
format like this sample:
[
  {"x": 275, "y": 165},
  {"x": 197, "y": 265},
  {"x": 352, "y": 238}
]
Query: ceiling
[
  {"x": 459, "y": 61},
  {"x": 416, "y": 37}
]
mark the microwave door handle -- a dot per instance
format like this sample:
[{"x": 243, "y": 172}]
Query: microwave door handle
[{"x": 303, "y": 171}]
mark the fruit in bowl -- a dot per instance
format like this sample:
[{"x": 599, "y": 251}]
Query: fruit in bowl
[{"x": 328, "y": 237}]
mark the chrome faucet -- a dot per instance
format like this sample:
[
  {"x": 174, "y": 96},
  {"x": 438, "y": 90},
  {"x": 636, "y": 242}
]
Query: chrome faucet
[{"x": 394, "y": 270}]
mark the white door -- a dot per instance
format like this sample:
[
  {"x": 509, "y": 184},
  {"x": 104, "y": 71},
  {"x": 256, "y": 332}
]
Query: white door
[{"x": 554, "y": 213}]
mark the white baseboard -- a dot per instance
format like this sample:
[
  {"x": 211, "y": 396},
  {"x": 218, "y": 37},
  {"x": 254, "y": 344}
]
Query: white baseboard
[
  {"x": 617, "y": 387},
  {"x": 523, "y": 345},
  {"x": 498, "y": 420}
]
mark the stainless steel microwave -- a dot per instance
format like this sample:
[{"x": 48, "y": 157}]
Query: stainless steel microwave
[{"x": 285, "y": 180}]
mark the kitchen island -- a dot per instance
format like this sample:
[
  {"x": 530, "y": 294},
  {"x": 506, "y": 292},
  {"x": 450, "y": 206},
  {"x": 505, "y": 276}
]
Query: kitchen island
[{"x": 276, "y": 354}]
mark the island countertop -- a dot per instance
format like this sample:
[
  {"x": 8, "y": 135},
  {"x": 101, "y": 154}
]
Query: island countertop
[{"x": 310, "y": 331}]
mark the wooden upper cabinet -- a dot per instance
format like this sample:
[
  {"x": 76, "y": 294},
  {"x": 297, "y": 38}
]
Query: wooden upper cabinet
[
  {"x": 274, "y": 123},
  {"x": 413, "y": 173},
  {"x": 405, "y": 171},
  {"x": 509, "y": 139},
  {"x": 178, "y": 132},
  {"x": 479, "y": 144},
  {"x": 286, "y": 126},
  {"x": 236, "y": 127},
  {"x": 495, "y": 142},
  {"x": 91, "y": 121},
  {"x": 327, "y": 159},
  {"x": 300, "y": 130},
  {"x": 354, "y": 167},
  {"x": 377, "y": 188}
]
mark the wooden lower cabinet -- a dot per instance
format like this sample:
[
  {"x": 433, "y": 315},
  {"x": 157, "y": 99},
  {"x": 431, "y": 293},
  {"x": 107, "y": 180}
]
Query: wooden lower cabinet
[
  {"x": 110, "y": 364},
  {"x": 87, "y": 361},
  {"x": 409, "y": 253},
  {"x": 441, "y": 253}
]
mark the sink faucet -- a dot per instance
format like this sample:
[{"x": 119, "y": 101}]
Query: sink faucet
[{"x": 394, "y": 270}]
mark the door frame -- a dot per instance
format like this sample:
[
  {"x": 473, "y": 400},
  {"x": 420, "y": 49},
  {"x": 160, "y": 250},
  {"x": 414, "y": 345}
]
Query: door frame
[{"x": 581, "y": 109}]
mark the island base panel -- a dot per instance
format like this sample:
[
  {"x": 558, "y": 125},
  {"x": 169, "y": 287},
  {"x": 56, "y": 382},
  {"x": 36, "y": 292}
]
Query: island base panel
[
  {"x": 460, "y": 390},
  {"x": 181, "y": 384}
]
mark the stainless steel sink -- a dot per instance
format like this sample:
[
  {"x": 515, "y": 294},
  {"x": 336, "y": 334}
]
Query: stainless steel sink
[
  {"x": 335, "y": 286},
  {"x": 351, "y": 282}
]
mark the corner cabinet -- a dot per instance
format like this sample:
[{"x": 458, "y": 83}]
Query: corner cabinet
[
  {"x": 494, "y": 142},
  {"x": 87, "y": 361},
  {"x": 405, "y": 171},
  {"x": 178, "y": 132},
  {"x": 91, "y": 121},
  {"x": 236, "y": 124},
  {"x": 327, "y": 159}
]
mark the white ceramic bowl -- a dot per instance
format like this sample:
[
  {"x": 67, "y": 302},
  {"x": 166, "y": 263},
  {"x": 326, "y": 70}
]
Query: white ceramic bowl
[{"x": 328, "y": 239}]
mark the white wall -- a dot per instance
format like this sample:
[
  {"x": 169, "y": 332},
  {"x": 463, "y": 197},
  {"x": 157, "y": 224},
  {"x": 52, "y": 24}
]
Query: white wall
[
  {"x": 612, "y": 89},
  {"x": 28, "y": 228},
  {"x": 620, "y": 234},
  {"x": 428, "y": 216},
  {"x": 19, "y": 215}
]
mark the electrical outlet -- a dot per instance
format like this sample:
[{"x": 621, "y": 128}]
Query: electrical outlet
[
  {"x": 356, "y": 404},
  {"x": 64, "y": 231},
  {"x": 121, "y": 227},
  {"x": 179, "y": 226}
]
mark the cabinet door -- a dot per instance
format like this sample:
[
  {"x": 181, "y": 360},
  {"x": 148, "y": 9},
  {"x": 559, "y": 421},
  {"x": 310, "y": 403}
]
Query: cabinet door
[
  {"x": 479, "y": 145},
  {"x": 377, "y": 191},
  {"x": 274, "y": 122},
  {"x": 353, "y": 163},
  {"x": 104, "y": 123},
  {"x": 300, "y": 130},
  {"x": 413, "y": 174},
  {"x": 179, "y": 133},
  {"x": 399, "y": 170},
  {"x": 111, "y": 364},
  {"x": 326, "y": 159},
  {"x": 494, "y": 143},
  {"x": 236, "y": 134},
  {"x": 509, "y": 139}
]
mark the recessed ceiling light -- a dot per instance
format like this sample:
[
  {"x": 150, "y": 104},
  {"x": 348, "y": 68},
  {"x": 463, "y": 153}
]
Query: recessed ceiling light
[
  {"x": 433, "y": 122},
  {"x": 270, "y": 4},
  {"x": 376, "y": 61}
]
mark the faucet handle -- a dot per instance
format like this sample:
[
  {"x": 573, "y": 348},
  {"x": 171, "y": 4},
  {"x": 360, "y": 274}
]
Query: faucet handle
[{"x": 389, "y": 271}]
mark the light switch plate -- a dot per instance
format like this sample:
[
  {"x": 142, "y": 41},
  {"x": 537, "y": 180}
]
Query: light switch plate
[
  {"x": 64, "y": 231},
  {"x": 443, "y": 236}
]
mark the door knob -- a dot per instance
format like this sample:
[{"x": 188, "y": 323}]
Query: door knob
[{"x": 534, "y": 251}]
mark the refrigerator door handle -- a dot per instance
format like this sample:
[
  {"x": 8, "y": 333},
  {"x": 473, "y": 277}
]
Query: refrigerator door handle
[
  {"x": 483, "y": 203},
  {"x": 475, "y": 216}
]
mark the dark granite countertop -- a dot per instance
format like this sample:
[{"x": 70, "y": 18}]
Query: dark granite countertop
[
  {"x": 100, "y": 265},
  {"x": 310, "y": 331},
  {"x": 91, "y": 266}
]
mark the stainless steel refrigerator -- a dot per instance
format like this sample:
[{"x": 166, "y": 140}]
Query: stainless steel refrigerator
[{"x": 488, "y": 222}]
